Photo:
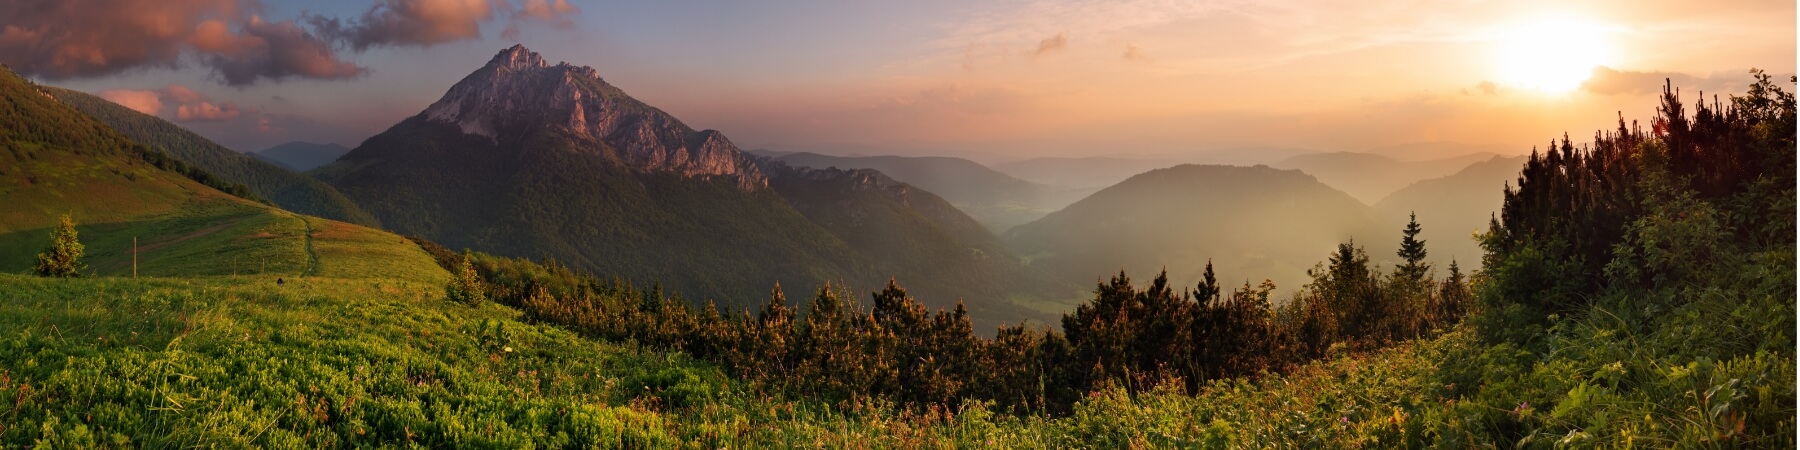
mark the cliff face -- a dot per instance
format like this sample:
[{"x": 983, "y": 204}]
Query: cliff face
[{"x": 518, "y": 95}]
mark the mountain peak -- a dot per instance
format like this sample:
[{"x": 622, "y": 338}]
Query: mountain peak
[
  {"x": 518, "y": 57},
  {"x": 518, "y": 98}
]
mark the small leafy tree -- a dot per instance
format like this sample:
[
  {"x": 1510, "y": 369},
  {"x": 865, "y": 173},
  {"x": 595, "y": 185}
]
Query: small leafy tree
[
  {"x": 465, "y": 285},
  {"x": 63, "y": 258}
]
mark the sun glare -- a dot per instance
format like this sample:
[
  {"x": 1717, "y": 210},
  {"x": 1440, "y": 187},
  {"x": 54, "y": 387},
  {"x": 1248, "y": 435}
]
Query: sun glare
[{"x": 1552, "y": 56}]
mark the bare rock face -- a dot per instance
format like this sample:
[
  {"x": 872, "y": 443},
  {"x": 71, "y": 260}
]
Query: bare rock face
[{"x": 518, "y": 94}]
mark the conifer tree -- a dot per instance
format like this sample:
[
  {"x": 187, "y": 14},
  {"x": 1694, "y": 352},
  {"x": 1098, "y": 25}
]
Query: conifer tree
[
  {"x": 1412, "y": 250},
  {"x": 1208, "y": 289},
  {"x": 63, "y": 258}
]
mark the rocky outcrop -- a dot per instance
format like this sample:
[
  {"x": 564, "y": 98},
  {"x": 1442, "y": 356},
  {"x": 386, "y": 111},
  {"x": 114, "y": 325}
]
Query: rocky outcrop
[{"x": 518, "y": 94}]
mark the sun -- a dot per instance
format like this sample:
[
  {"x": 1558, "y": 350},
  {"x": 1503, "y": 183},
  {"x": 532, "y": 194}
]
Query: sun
[{"x": 1552, "y": 55}]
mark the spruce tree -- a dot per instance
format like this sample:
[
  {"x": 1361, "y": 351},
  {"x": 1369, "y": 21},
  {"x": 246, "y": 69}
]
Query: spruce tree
[
  {"x": 1412, "y": 250},
  {"x": 63, "y": 258},
  {"x": 1207, "y": 291}
]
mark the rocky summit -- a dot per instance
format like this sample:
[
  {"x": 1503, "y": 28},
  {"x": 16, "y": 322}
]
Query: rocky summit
[{"x": 518, "y": 93}]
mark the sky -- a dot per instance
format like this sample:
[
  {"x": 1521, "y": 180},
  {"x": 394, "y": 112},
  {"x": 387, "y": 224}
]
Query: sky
[{"x": 990, "y": 80}]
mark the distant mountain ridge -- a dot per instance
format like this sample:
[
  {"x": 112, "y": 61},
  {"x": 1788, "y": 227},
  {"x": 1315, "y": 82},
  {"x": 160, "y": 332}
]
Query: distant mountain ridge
[
  {"x": 995, "y": 199},
  {"x": 1454, "y": 207},
  {"x": 524, "y": 158},
  {"x": 1252, "y": 222},
  {"x": 301, "y": 156},
  {"x": 1090, "y": 172},
  {"x": 1370, "y": 177}
]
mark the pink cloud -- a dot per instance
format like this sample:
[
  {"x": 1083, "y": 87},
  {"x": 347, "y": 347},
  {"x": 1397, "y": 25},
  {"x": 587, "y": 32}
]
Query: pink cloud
[
  {"x": 65, "y": 39},
  {"x": 91, "y": 38},
  {"x": 190, "y": 106},
  {"x": 206, "y": 112},
  {"x": 144, "y": 101}
]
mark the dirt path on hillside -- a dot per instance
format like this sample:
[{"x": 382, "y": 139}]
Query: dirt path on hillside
[{"x": 312, "y": 257}]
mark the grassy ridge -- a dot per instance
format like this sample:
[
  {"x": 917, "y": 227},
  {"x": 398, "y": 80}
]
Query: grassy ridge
[
  {"x": 293, "y": 191},
  {"x": 229, "y": 237}
]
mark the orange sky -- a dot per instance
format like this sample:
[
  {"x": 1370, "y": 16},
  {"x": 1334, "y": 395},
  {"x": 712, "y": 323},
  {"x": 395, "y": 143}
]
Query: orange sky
[{"x": 989, "y": 79}]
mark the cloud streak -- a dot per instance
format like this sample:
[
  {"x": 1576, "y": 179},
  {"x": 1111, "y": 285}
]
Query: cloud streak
[
  {"x": 1609, "y": 81},
  {"x": 1052, "y": 44},
  {"x": 424, "y": 23}
]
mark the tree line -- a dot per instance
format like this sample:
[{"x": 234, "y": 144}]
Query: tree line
[{"x": 893, "y": 349}]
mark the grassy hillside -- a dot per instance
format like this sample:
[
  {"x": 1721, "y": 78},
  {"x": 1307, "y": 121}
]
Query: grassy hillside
[
  {"x": 293, "y": 191},
  {"x": 60, "y": 161}
]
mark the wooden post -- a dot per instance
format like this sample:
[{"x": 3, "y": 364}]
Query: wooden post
[{"x": 134, "y": 256}]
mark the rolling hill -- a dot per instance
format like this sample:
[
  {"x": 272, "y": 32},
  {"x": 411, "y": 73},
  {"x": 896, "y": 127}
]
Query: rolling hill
[
  {"x": 523, "y": 158},
  {"x": 60, "y": 161},
  {"x": 995, "y": 199},
  {"x": 301, "y": 156},
  {"x": 290, "y": 190},
  {"x": 1369, "y": 177},
  {"x": 1251, "y": 222},
  {"x": 1453, "y": 208}
]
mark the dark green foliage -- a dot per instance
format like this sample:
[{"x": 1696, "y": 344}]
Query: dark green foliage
[
  {"x": 228, "y": 170},
  {"x": 1652, "y": 267},
  {"x": 1413, "y": 268},
  {"x": 31, "y": 117},
  {"x": 163, "y": 161},
  {"x": 1700, "y": 186},
  {"x": 63, "y": 258}
]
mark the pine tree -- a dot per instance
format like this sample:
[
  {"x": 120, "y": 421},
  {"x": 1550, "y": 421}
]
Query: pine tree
[
  {"x": 63, "y": 258},
  {"x": 1412, "y": 250},
  {"x": 1208, "y": 289}
]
